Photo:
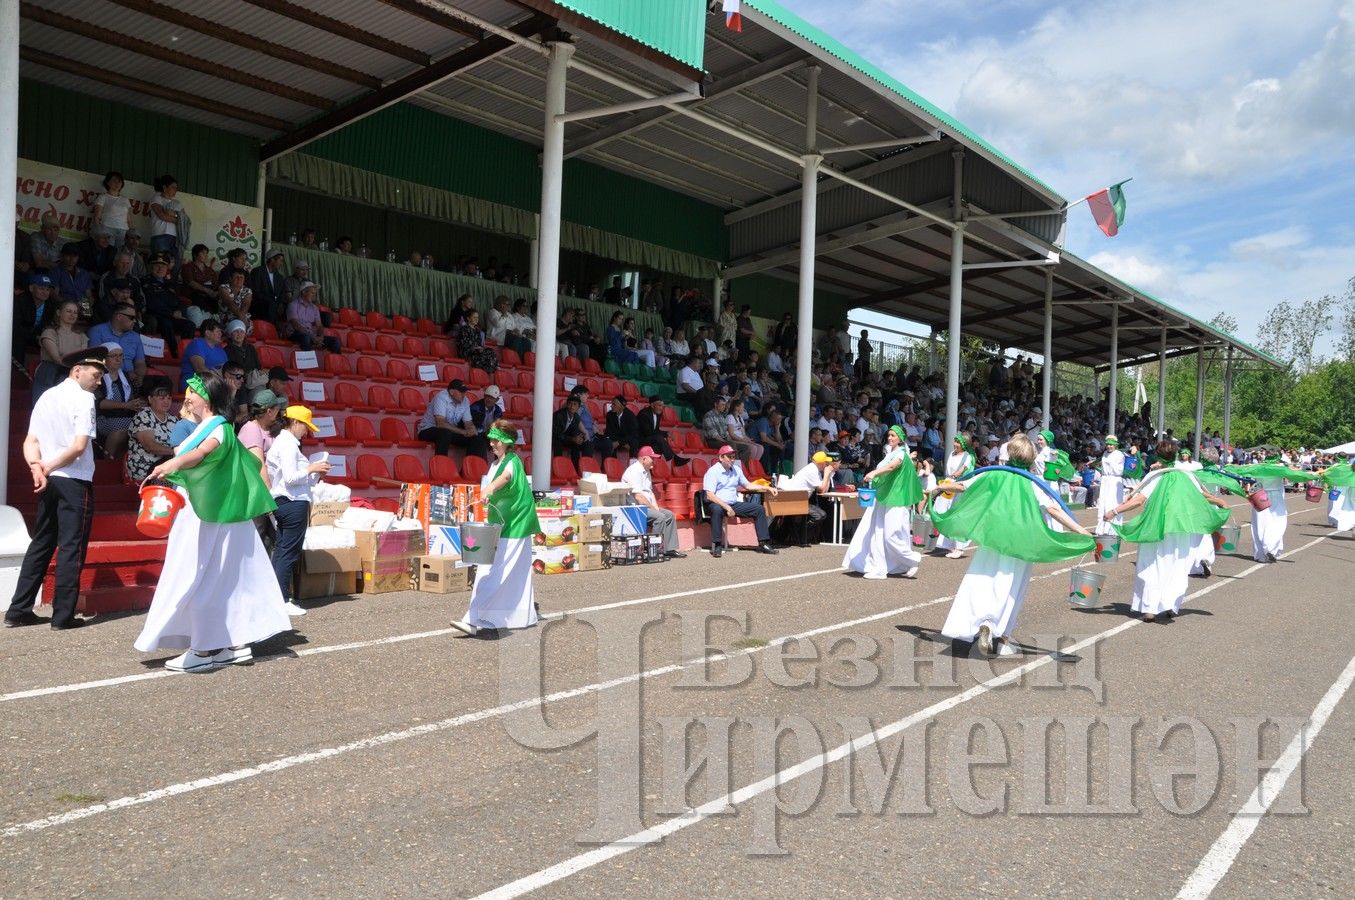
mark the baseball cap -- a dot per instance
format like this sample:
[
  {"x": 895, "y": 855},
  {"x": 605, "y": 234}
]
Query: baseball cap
[
  {"x": 302, "y": 264},
  {"x": 646, "y": 451},
  {"x": 456, "y": 384},
  {"x": 725, "y": 449},
  {"x": 821, "y": 457},
  {"x": 273, "y": 253},
  {"x": 843, "y": 434},
  {"x": 278, "y": 372},
  {"x": 265, "y": 398},
  {"x": 235, "y": 325},
  {"x": 40, "y": 280},
  {"x": 492, "y": 391},
  {"x": 300, "y": 414}
]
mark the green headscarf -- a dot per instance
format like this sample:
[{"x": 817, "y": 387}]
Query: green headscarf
[{"x": 1048, "y": 437}]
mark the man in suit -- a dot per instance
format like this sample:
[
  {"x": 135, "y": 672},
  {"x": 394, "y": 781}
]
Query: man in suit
[
  {"x": 622, "y": 427},
  {"x": 650, "y": 424},
  {"x": 270, "y": 288},
  {"x": 566, "y": 431}
]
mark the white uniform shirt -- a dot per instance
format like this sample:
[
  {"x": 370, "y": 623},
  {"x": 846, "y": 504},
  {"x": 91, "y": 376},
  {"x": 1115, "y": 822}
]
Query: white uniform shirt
[
  {"x": 807, "y": 478},
  {"x": 62, "y": 413},
  {"x": 690, "y": 381},
  {"x": 287, "y": 468},
  {"x": 637, "y": 480}
]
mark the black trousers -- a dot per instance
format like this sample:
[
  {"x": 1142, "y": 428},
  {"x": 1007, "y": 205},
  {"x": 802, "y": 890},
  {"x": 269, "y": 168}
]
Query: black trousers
[
  {"x": 745, "y": 509},
  {"x": 65, "y": 510},
  {"x": 292, "y": 517},
  {"x": 444, "y": 439},
  {"x": 660, "y": 444}
]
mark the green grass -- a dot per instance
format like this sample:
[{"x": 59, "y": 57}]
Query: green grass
[
  {"x": 79, "y": 798},
  {"x": 748, "y": 643}
]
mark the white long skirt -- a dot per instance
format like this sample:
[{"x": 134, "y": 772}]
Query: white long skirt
[
  {"x": 503, "y": 596},
  {"x": 1111, "y": 496},
  {"x": 217, "y": 589},
  {"x": 883, "y": 543},
  {"x": 942, "y": 504},
  {"x": 1341, "y": 511},
  {"x": 1201, "y": 551},
  {"x": 991, "y": 594},
  {"x": 1161, "y": 574},
  {"x": 1267, "y": 526}
]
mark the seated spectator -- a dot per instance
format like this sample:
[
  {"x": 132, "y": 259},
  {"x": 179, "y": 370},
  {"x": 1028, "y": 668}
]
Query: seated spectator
[
  {"x": 447, "y": 422},
  {"x": 118, "y": 330},
  {"x": 269, "y": 287},
  {"x": 674, "y": 347},
  {"x": 165, "y": 313},
  {"x": 234, "y": 298},
  {"x": 567, "y": 337},
  {"x": 485, "y": 411},
  {"x": 650, "y": 346},
  {"x": 203, "y": 353},
  {"x": 29, "y": 309},
  {"x": 771, "y": 433},
  {"x": 61, "y": 336},
  {"x": 722, "y": 484},
  {"x": 115, "y": 403},
  {"x": 568, "y": 437},
  {"x": 690, "y": 381},
  {"x": 502, "y": 328},
  {"x": 148, "y": 434},
  {"x": 73, "y": 282},
  {"x": 45, "y": 245},
  {"x": 237, "y": 260},
  {"x": 737, "y": 422},
  {"x": 132, "y": 244},
  {"x": 303, "y": 319},
  {"x": 234, "y": 376},
  {"x": 661, "y": 521},
  {"x": 851, "y": 459},
  {"x": 645, "y": 354},
  {"x": 198, "y": 281},
  {"x": 278, "y": 379},
  {"x": 114, "y": 278},
  {"x": 650, "y": 424},
  {"x": 715, "y": 424},
  {"x": 239, "y": 349},
  {"x": 623, "y": 428},
  {"x": 470, "y": 342},
  {"x": 465, "y": 305},
  {"x": 96, "y": 251},
  {"x": 301, "y": 273},
  {"x": 616, "y": 341},
  {"x": 817, "y": 477},
  {"x": 524, "y": 323},
  {"x": 599, "y": 442}
]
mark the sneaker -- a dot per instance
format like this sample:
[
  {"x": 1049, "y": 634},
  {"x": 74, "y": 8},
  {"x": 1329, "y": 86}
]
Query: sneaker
[
  {"x": 985, "y": 640},
  {"x": 465, "y": 628},
  {"x": 955, "y": 554},
  {"x": 1009, "y": 647},
  {"x": 22, "y": 619},
  {"x": 874, "y": 576},
  {"x": 193, "y": 662},
  {"x": 235, "y": 656},
  {"x": 292, "y": 609},
  {"x": 911, "y": 573},
  {"x": 715, "y": 551},
  {"x": 1270, "y": 558}
]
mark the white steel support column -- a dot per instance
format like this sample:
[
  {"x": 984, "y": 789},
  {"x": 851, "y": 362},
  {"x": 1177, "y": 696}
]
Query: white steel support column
[
  {"x": 1112, "y": 400},
  {"x": 548, "y": 267},
  {"x": 1162, "y": 386},
  {"x": 931, "y": 353},
  {"x": 1047, "y": 381},
  {"x": 1228, "y": 400},
  {"x": 809, "y": 213},
  {"x": 9, "y": 165},
  {"x": 717, "y": 288},
  {"x": 956, "y": 297},
  {"x": 1199, "y": 399},
  {"x": 534, "y": 256}
]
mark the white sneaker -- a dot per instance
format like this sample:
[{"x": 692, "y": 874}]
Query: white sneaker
[
  {"x": 875, "y": 576},
  {"x": 911, "y": 573},
  {"x": 955, "y": 554},
  {"x": 465, "y": 628},
  {"x": 1008, "y": 647},
  {"x": 236, "y": 656},
  {"x": 193, "y": 662},
  {"x": 292, "y": 609}
]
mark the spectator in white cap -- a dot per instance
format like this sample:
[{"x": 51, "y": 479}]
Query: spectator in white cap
[
  {"x": 116, "y": 401},
  {"x": 641, "y": 485},
  {"x": 301, "y": 273},
  {"x": 303, "y": 317},
  {"x": 484, "y": 411},
  {"x": 239, "y": 349}
]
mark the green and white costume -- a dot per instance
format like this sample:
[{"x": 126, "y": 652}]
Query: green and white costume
[
  {"x": 883, "y": 542},
  {"x": 503, "y": 596}
]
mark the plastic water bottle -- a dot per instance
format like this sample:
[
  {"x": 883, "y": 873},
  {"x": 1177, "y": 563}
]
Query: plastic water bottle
[
  {"x": 390, "y": 256},
  {"x": 362, "y": 251},
  {"x": 292, "y": 240},
  {"x": 324, "y": 243}
]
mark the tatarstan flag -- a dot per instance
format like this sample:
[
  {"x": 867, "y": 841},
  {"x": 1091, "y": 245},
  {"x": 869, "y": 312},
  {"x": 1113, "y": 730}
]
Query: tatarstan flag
[
  {"x": 733, "y": 15},
  {"x": 1107, "y": 206}
]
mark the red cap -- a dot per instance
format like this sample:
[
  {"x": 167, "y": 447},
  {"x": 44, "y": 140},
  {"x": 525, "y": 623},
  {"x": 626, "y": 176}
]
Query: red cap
[
  {"x": 647, "y": 451},
  {"x": 725, "y": 449}
]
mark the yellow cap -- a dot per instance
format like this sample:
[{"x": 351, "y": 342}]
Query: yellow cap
[
  {"x": 821, "y": 457},
  {"x": 300, "y": 414}
]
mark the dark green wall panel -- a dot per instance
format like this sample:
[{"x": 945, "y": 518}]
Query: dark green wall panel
[{"x": 64, "y": 128}]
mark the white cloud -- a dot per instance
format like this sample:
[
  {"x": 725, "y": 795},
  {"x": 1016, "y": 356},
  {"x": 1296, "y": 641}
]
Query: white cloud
[{"x": 1144, "y": 274}]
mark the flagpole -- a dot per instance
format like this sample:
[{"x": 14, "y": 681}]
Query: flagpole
[{"x": 1094, "y": 193}]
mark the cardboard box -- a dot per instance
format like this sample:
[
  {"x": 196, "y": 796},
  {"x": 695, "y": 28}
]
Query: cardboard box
[
  {"x": 384, "y": 576},
  {"x": 594, "y": 557},
  {"x": 625, "y": 519},
  {"x": 610, "y": 493},
  {"x": 556, "y": 560},
  {"x": 593, "y": 527},
  {"x": 787, "y": 503},
  {"x": 444, "y": 540},
  {"x": 323, "y": 562},
  {"x": 311, "y": 586},
  {"x": 393, "y": 544},
  {"x": 327, "y": 511},
  {"x": 443, "y": 575}
]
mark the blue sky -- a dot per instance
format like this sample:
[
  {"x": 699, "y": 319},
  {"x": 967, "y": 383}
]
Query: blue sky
[{"x": 1236, "y": 121}]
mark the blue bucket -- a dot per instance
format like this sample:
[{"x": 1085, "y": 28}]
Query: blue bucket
[{"x": 866, "y": 496}]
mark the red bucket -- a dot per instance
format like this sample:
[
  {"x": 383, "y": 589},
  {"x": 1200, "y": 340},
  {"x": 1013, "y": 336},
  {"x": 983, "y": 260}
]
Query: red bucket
[
  {"x": 1314, "y": 493},
  {"x": 1258, "y": 499},
  {"x": 159, "y": 506}
]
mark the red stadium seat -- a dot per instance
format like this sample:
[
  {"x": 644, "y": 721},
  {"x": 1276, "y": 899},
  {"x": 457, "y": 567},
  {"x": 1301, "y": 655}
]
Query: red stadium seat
[
  {"x": 509, "y": 357},
  {"x": 629, "y": 390},
  {"x": 455, "y": 370},
  {"x": 410, "y": 469},
  {"x": 414, "y": 346},
  {"x": 669, "y": 417},
  {"x": 699, "y": 467},
  {"x": 439, "y": 349},
  {"x": 389, "y": 345},
  {"x": 358, "y": 342},
  {"x": 571, "y": 364},
  {"x": 370, "y": 466},
  {"x": 427, "y": 326},
  {"x": 587, "y": 464},
  {"x": 442, "y": 470},
  {"x": 594, "y": 386},
  {"x": 397, "y": 432},
  {"x": 562, "y": 468},
  {"x": 371, "y": 369},
  {"x": 359, "y": 429},
  {"x": 268, "y": 356},
  {"x": 480, "y": 378},
  {"x": 413, "y": 400},
  {"x": 473, "y": 468},
  {"x": 377, "y": 320},
  {"x": 661, "y": 472},
  {"x": 264, "y": 331},
  {"x": 347, "y": 394},
  {"x": 402, "y": 324},
  {"x": 398, "y": 370},
  {"x": 520, "y": 407},
  {"x": 526, "y": 381},
  {"x": 337, "y": 364},
  {"x": 610, "y": 386},
  {"x": 612, "y": 467},
  {"x": 350, "y": 318},
  {"x": 591, "y": 366},
  {"x": 341, "y": 442},
  {"x": 381, "y": 396},
  {"x": 529, "y": 359}
]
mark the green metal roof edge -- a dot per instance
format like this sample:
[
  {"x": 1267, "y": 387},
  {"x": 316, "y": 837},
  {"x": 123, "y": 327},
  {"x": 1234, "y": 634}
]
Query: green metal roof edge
[
  {"x": 1232, "y": 339},
  {"x": 700, "y": 50},
  {"x": 824, "y": 41}
]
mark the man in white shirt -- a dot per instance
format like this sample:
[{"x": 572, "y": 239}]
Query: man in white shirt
[
  {"x": 59, "y": 451},
  {"x": 447, "y": 422},
  {"x": 816, "y": 477},
  {"x": 641, "y": 485},
  {"x": 690, "y": 381}
]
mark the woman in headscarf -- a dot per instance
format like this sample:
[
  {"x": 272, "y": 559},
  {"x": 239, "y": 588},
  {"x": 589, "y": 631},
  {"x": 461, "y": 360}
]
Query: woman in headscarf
[
  {"x": 217, "y": 593},
  {"x": 1112, "y": 485},
  {"x": 958, "y": 465},
  {"x": 1175, "y": 514},
  {"x": 503, "y": 596},
  {"x": 1008, "y": 515},
  {"x": 883, "y": 542}
]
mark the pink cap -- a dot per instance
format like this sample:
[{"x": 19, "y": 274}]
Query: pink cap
[
  {"x": 647, "y": 451},
  {"x": 725, "y": 449}
]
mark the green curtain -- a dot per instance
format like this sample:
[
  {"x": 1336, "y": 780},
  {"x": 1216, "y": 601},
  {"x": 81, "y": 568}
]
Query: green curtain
[
  {"x": 408, "y": 196},
  {"x": 398, "y": 289}
]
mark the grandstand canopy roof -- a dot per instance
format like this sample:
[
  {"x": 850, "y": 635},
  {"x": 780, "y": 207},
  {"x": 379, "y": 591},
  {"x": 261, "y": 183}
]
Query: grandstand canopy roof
[{"x": 289, "y": 71}]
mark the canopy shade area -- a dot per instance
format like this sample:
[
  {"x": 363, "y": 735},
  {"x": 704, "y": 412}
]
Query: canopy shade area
[{"x": 784, "y": 129}]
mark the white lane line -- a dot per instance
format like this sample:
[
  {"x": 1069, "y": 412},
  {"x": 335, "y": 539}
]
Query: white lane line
[
  {"x": 400, "y": 638},
  {"x": 391, "y": 737},
  {"x": 1225, "y": 850},
  {"x": 582, "y": 861}
]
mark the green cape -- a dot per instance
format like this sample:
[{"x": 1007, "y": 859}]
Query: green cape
[
  {"x": 1339, "y": 475},
  {"x": 899, "y": 487},
  {"x": 226, "y": 486},
  {"x": 513, "y": 506},
  {"x": 1060, "y": 468},
  {"x": 1271, "y": 470},
  {"x": 1174, "y": 507},
  {"x": 998, "y": 510},
  {"x": 1210, "y": 475}
]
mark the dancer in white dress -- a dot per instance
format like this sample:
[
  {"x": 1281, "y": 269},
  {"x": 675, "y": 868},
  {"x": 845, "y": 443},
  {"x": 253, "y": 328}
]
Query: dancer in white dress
[
  {"x": 1006, "y": 513},
  {"x": 1268, "y": 525},
  {"x": 1112, "y": 486},
  {"x": 883, "y": 542},
  {"x": 958, "y": 465},
  {"x": 1340, "y": 482},
  {"x": 217, "y": 593}
]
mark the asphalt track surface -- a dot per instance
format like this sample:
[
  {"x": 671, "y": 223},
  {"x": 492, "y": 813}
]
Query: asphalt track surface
[{"x": 371, "y": 753}]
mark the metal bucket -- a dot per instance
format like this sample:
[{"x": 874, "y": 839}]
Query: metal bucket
[
  {"x": 1226, "y": 538},
  {"x": 479, "y": 542},
  {"x": 1313, "y": 493},
  {"x": 1084, "y": 586},
  {"x": 924, "y": 538},
  {"x": 1107, "y": 547},
  {"x": 866, "y": 496}
]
